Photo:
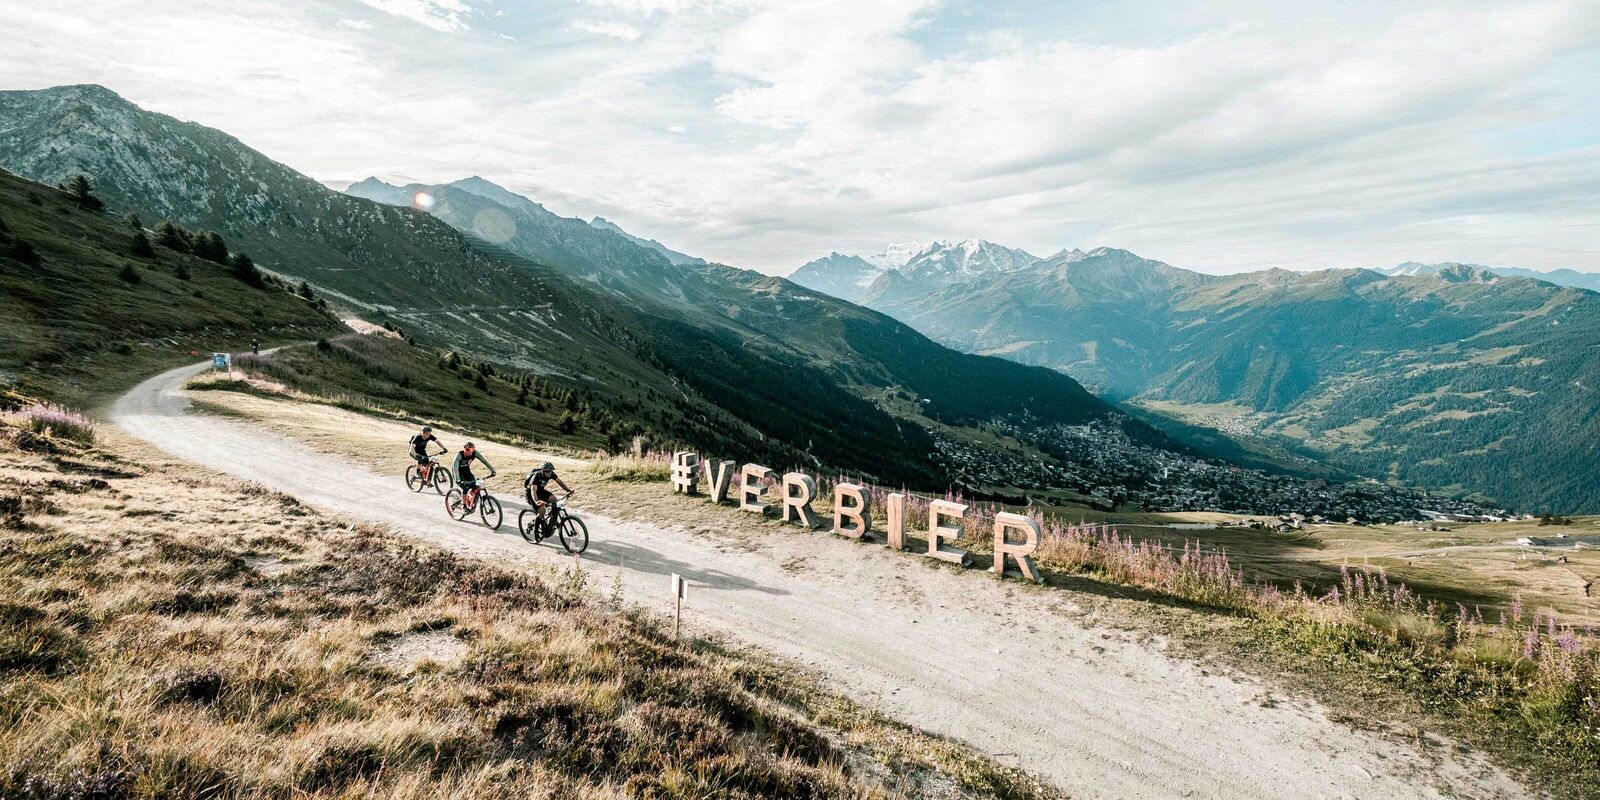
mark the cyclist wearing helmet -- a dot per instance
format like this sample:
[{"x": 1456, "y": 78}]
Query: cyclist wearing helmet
[
  {"x": 533, "y": 487},
  {"x": 463, "y": 468},
  {"x": 419, "y": 445}
]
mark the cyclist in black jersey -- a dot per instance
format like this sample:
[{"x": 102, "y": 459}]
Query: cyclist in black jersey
[
  {"x": 533, "y": 487},
  {"x": 419, "y": 445}
]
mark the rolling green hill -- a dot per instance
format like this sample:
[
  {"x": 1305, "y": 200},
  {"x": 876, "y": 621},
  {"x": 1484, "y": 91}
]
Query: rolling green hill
[{"x": 84, "y": 314}]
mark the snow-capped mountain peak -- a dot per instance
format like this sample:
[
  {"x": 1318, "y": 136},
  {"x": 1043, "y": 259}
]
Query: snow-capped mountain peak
[
  {"x": 895, "y": 256},
  {"x": 942, "y": 263},
  {"x": 917, "y": 266}
]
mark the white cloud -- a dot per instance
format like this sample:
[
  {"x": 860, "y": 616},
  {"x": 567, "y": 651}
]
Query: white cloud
[
  {"x": 356, "y": 24},
  {"x": 445, "y": 16},
  {"x": 762, "y": 133},
  {"x": 615, "y": 30},
  {"x": 653, "y": 6}
]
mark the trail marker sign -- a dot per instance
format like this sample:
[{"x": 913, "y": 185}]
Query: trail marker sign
[
  {"x": 680, "y": 592},
  {"x": 222, "y": 361}
]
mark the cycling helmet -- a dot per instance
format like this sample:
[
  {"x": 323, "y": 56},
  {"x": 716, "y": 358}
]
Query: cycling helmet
[
  {"x": 547, "y": 466},
  {"x": 427, "y": 429}
]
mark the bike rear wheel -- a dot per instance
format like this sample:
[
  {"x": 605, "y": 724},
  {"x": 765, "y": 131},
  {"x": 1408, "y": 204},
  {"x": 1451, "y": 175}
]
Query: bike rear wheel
[
  {"x": 414, "y": 478},
  {"x": 454, "y": 505},
  {"x": 574, "y": 535},
  {"x": 528, "y": 525},
  {"x": 489, "y": 510}
]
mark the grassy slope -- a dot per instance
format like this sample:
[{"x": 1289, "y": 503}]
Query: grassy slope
[
  {"x": 150, "y": 647},
  {"x": 72, "y": 329}
]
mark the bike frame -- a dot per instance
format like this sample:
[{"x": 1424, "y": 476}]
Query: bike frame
[
  {"x": 469, "y": 498},
  {"x": 554, "y": 511}
]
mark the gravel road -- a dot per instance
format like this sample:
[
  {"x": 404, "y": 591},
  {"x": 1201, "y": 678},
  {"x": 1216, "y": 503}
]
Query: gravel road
[{"x": 1017, "y": 672}]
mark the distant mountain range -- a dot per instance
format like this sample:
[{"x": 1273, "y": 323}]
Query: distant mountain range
[
  {"x": 715, "y": 357},
  {"x": 744, "y": 364},
  {"x": 1448, "y": 375},
  {"x": 903, "y": 269},
  {"x": 1559, "y": 277}
]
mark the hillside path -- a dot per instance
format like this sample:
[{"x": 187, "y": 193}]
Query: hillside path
[{"x": 1016, "y": 672}]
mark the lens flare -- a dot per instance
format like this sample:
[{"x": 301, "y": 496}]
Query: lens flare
[{"x": 422, "y": 201}]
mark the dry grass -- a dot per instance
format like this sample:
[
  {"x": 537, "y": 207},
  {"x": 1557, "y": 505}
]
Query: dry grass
[
  {"x": 170, "y": 633},
  {"x": 1355, "y": 653},
  {"x": 54, "y": 421},
  {"x": 641, "y": 468}
]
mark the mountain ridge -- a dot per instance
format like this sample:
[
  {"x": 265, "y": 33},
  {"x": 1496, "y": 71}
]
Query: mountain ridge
[
  {"x": 1437, "y": 377},
  {"x": 765, "y": 368}
]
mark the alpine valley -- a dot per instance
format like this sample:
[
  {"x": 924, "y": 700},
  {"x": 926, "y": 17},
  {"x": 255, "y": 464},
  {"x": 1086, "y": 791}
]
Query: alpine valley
[
  {"x": 1476, "y": 381},
  {"x": 636, "y": 344}
]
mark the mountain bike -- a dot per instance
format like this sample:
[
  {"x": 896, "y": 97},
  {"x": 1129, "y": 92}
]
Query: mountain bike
[
  {"x": 458, "y": 505},
  {"x": 432, "y": 473},
  {"x": 572, "y": 532}
]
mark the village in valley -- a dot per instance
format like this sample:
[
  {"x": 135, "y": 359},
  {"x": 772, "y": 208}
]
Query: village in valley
[{"x": 1100, "y": 462}]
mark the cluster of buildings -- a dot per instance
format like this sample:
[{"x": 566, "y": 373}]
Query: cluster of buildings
[{"x": 1100, "y": 461}]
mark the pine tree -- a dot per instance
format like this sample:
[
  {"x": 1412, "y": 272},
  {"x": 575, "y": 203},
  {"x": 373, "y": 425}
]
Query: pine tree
[
  {"x": 133, "y": 221},
  {"x": 141, "y": 245},
  {"x": 211, "y": 247},
  {"x": 305, "y": 291},
  {"x": 81, "y": 191},
  {"x": 522, "y": 395},
  {"x": 244, "y": 268},
  {"x": 569, "y": 423},
  {"x": 172, "y": 237},
  {"x": 483, "y": 385}
]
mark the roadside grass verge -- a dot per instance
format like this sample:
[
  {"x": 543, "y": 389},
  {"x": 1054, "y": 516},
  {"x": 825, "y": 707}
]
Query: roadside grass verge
[
  {"x": 56, "y": 421},
  {"x": 168, "y": 633},
  {"x": 632, "y": 468},
  {"x": 394, "y": 378},
  {"x": 1523, "y": 686}
]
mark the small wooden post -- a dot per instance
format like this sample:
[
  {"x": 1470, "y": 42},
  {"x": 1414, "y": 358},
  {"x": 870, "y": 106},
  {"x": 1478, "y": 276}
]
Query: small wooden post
[{"x": 680, "y": 589}]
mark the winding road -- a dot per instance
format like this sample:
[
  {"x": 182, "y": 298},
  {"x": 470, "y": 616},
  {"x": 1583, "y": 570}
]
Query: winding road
[{"x": 1014, "y": 671}]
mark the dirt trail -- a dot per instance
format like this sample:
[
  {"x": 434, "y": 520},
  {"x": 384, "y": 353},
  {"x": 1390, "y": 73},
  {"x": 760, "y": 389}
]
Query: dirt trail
[{"x": 1013, "y": 671}]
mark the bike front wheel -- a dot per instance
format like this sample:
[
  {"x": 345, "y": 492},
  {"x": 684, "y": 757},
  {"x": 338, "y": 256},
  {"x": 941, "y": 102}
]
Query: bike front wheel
[
  {"x": 455, "y": 505},
  {"x": 574, "y": 535},
  {"x": 414, "y": 478},
  {"x": 489, "y": 510},
  {"x": 441, "y": 479}
]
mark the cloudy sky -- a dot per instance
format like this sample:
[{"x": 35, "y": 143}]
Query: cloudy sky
[{"x": 762, "y": 133}]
